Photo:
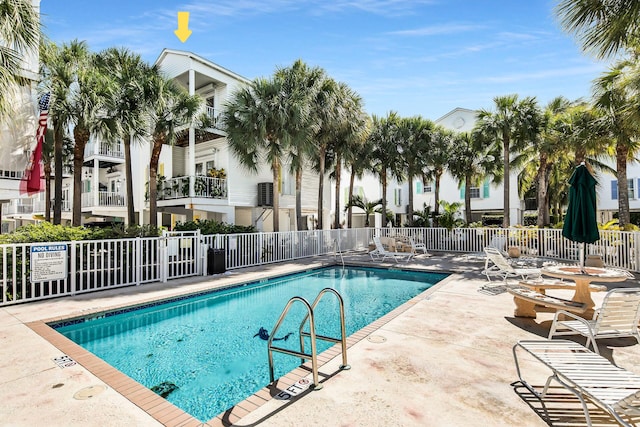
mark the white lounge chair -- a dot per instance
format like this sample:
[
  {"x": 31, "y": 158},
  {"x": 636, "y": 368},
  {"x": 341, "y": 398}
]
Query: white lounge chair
[
  {"x": 587, "y": 375},
  {"x": 397, "y": 256},
  {"x": 497, "y": 265},
  {"x": 617, "y": 317}
]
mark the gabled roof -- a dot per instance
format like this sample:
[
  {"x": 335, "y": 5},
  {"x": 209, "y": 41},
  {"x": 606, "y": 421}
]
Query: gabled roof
[
  {"x": 456, "y": 110},
  {"x": 165, "y": 52}
]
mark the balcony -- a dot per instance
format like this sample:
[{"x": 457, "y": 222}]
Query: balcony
[
  {"x": 213, "y": 115},
  {"x": 104, "y": 150},
  {"x": 17, "y": 207},
  {"x": 203, "y": 186},
  {"x": 105, "y": 199}
]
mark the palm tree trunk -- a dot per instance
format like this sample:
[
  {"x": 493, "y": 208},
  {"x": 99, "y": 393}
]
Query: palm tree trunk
[
  {"x": 336, "y": 221},
  {"x": 299, "y": 224},
  {"x": 47, "y": 191},
  {"x": 506, "y": 221},
  {"x": 58, "y": 136},
  {"x": 547, "y": 200},
  {"x": 81, "y": 137},
  {"x": 131, "y": 214},
  {"x": 275, "y": 167},
  {"x": 321, "y": 166},
  {"x": 624, "y": 217},
  {"x": 467, "y": 198},
  {"x": 352, "y": 179},
  {"x": 153, "y": 181},
  {"x": 383, "y": 179},
  {"x": 410, "y": 207},
  {"x": 436, "y": 200},
  {"x": 542, "y": 190}
]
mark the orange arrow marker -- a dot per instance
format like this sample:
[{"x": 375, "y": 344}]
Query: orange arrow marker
[{"x": 183, "y": 32}]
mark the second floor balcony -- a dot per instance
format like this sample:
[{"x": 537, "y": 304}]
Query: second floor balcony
[
  {"x": 103, "y": 199},
  {"x": 203, "y": 186},
  {"x": 103, "y": 149}
]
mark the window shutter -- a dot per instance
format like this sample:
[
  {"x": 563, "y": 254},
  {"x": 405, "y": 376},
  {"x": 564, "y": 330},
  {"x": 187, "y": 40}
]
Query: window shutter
[
  {"x": 614, "y": 190},
  {"x": 161, "y": 169},
  {"x": 346, "y": 195},
  {"x": 462, "y": 191},
  {"x": 419, "y": 187},
  {"x": 485, "y": 188}
]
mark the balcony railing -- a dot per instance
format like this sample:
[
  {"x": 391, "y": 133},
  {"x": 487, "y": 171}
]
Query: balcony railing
[
  {"x": 104, "y": 149},
  {"x": 17, "y": 208},
  {"x": 213, "y": 115},
  {"x": 105, "y": 198},
  {"x": 203, "y": 186}
]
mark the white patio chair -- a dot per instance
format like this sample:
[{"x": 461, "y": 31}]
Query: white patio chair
[
  {"x": 497, "y": 265},
  {"x": 397, "y": 256},
  {"x": 415, "y": 247},
  {"x": 617, "y": 317}
]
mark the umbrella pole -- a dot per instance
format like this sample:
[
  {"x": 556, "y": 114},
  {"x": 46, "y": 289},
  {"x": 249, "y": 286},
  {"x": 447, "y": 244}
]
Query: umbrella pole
[{"x": 581, "y": 256}]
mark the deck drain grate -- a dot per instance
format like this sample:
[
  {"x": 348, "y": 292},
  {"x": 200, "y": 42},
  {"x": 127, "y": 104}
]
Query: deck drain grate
[
  {"x": 89, "y": 392},
  {"x": 376, "y": 339}
]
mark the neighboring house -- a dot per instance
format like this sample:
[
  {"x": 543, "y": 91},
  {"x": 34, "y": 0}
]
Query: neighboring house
[
  {"x": 198, "y": 177},
  {"x": 18, "y": 136}
]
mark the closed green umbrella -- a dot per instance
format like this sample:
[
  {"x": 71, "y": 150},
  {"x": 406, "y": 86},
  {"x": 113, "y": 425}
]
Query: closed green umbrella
[{"x": 580, "y": 221}]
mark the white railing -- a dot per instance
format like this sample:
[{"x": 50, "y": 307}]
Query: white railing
[
  {"x": 203, "y": 186},
  {"x": 18, "y": 208},
  {"x": 104, "y": 149},
  {"x": 104, "y": 264},
  {"x": 213, "y": 115},
  {"x": 105, "y": 198}
]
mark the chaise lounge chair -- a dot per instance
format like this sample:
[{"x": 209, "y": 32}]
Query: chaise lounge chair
[
  {"x": 397, "y": 256},
  {"x": 617, "y": 317},
  {"x": 497, "y": 265},
  {"x": 415, "y": 247}
]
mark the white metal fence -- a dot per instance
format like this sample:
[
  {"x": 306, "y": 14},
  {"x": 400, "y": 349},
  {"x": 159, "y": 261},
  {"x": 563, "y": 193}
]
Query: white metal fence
[{"x": 103, "y": 264}]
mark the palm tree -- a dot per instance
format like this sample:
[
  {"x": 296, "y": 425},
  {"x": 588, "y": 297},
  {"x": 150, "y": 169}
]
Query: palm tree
[
  {"x": 448, "y": 218},
  {"x": 58, "y": 70},
  {"x": 19, "y": 35},
  {"x": 602, "y": 27},
  {"x": 358, "y": 158},
  {"x": 173, "y": 109},
  {"x": 437, "y": 159},
  {"x": 305, "y": 82},
  {"x": 386, "y": 157},
  {"x": 514, "y": 124},
  {"x": 471, "y": 159},
  {"x": 369, "y": 208},
  {"x": 620, "y": 119},
  {"x": 415, "y": 144},
  {"x": 132, "y": 102},
  {"x": 261, "y": 121}
]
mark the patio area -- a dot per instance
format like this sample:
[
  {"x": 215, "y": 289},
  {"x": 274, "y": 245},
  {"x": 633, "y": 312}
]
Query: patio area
[{"x": 445, "y": 360}]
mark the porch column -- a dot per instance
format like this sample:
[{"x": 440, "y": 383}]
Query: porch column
[
  {"x": 95, "y": 185},
  {"x": 191, "y": 167}
]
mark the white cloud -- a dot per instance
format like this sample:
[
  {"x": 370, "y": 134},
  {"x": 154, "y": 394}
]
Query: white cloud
[{"x": 451, "y": 28}]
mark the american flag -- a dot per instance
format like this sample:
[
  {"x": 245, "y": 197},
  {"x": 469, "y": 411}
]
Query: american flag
[{"x": 31, "y": 182}]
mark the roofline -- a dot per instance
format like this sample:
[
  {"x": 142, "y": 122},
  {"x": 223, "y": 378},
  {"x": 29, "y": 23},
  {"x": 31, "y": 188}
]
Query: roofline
[
  {"x": 453, "y": 111},
  {"x": 199, "y": 58}
]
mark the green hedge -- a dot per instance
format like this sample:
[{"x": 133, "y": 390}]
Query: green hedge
[
  {"x": 47, "y": 232},
  {"x": 209, "y": 226}
]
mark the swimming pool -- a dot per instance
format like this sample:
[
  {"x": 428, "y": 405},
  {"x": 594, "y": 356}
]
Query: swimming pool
[{"x": 208, "y": 345}]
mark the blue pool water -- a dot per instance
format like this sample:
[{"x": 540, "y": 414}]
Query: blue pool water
[{"x": 206, "y": 344}]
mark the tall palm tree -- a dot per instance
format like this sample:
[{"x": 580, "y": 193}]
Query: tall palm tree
[
  {"x": 173, "y": 109},
  {"x": 415, "y": 144},
  {"x": 472, "y": 158},
  {"x": 620, "y": 118},
  {"x": 437, "y": 159},
  {"x": 386, "y": 158},
  {"x": 132, "y": 102},
  {"x": 514, "y": 123},
  {"x": 261, "y": 121},
  {"x": 19, "y": 35},
  {"x": 602, "y": 27},
  {"x": 58, "y": 70},
  {"x": 358, "y": 159}
]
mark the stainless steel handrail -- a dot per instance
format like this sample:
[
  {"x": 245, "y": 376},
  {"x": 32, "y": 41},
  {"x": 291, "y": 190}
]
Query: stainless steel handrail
[
  {"x": 343, "y": 331},
  {"x": 305, "y": 356}
]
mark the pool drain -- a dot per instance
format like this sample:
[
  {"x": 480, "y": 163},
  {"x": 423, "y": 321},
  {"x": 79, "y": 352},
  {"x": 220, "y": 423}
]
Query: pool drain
[
  {"x": 89, "y": 392},
  {"x": 376, "y": 339}
]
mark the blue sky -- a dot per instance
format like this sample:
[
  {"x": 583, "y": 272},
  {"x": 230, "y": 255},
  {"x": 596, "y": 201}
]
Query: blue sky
[{"x": 415, "y": 57}]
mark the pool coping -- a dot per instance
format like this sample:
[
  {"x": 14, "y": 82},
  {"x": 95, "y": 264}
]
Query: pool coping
[{"x": 167, "y": 413}]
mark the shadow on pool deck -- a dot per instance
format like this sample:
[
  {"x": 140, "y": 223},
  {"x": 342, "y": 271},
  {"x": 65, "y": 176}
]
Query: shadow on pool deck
[{"x": 445, "y": 361}]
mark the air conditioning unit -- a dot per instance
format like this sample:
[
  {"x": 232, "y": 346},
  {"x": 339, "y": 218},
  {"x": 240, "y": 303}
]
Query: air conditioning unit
[{"x": 265, "y": 194}]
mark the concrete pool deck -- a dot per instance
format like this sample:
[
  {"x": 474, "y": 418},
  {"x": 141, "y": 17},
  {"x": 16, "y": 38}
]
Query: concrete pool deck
[{"x": 444, "y": 359}]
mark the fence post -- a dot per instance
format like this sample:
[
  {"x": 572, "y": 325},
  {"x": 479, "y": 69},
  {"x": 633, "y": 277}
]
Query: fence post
[
  {"x": 138, "y": 261},
  {"x": 73, "y": 267}
]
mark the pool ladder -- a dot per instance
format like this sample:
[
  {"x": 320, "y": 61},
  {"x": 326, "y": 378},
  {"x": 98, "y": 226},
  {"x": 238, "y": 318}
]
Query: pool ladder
[{"x": 313, "y": 356}]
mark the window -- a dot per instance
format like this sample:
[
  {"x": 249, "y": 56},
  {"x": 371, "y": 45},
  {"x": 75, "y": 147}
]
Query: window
[
  {"x": 474, "y": 192},
  {"x": 210, "y": 165},
  {"x": 199, "y": 170},
  {"x": 428, "y": 187},
  {"x": 397, "y": 196},
  {"x": 630, "y": 189}
]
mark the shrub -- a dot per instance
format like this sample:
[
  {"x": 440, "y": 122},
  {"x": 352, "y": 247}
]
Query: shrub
[
  {"x": 45, "y": 232},
  {"x": 209, "y": 226}
]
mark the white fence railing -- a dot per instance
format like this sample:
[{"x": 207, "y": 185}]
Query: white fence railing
[{"x": 103, "y": 264}]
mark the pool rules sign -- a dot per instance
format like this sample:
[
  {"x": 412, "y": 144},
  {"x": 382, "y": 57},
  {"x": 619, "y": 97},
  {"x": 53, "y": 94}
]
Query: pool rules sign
[{"x": 48, "y": 262}]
